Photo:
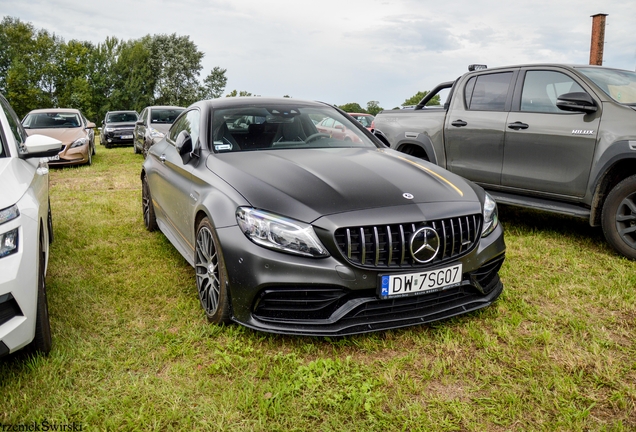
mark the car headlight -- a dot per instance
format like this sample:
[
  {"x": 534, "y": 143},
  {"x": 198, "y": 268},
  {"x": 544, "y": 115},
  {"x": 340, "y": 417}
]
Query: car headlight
[
  {"x": 491, "y": 217},
  {"x": 79, "y": 142},
  {"x": 279, "y": 233},
  {"x": 8, "y": 243},
  {"x": 109, "y": 129},
  {"x": 154, "y": 134},
  {"x": 9, "y": 214}
]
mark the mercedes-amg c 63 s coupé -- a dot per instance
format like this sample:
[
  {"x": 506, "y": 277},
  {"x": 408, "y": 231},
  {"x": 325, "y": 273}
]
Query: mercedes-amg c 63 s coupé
[{"x": 291, "y": 230}]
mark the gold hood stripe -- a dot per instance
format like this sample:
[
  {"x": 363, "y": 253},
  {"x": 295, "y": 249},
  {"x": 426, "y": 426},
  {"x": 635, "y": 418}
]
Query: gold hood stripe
[{"x": 423, "y": 168}]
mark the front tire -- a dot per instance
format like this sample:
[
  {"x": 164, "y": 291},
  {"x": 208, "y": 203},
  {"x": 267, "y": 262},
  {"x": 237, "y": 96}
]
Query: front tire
[
  {"x": 150, "y": 220},
  {"x": 211, "y": 275},
  {"x": 619, "y": 217},
  {"x": 42, "y": 341}
]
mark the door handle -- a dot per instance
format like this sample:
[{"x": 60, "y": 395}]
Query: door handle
[
  {"x": 459, "y": 123},
  {"x": 517, "y": 125},
  {"x": 162, "y": 158}
]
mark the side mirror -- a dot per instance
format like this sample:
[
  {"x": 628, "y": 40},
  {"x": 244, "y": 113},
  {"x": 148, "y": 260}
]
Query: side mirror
[
  {"x": 90, "y": 125},
  {"x": 340, "y": 128},
  {"x": 578, "y": 102},
  {"x": 38, "y": 146},
  {"x": 184, "y": 146},
  {"x": 139, "y": 122}
]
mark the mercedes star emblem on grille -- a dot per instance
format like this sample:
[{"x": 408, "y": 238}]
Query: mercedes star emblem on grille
[{"x": 424, "y": 245}]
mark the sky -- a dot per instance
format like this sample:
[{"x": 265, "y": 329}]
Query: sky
[{"x": 342, "y": 51}]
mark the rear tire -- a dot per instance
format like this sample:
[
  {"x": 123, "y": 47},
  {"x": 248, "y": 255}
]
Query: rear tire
[
  {"x": 150, "y": 220},
  {"x": 211, "y": 275},
  {"x": 619, "y": 217},
  {"x": 135, "y": 148}
]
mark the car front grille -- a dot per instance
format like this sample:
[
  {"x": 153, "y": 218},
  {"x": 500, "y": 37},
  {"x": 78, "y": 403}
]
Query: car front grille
[{"x": 388, "y": 246}]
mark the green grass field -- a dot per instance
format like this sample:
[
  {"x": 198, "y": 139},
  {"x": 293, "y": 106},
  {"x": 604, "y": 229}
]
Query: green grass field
[{"x": 133, "y": 350}]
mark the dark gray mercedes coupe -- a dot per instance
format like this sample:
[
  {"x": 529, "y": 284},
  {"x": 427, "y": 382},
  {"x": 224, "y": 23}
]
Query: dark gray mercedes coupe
[{"x": 292, "y": 230}]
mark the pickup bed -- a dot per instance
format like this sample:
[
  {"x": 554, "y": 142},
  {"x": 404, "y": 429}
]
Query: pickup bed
[{"x": 559, "y": 138}]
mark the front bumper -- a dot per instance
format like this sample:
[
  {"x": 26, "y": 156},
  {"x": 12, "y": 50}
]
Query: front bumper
[
  {"x": 19, "y": 288},
  {"x": 72, "y": 156},
  {"x": 286, "y": 294},
  {"x": 119, "y": 136}
]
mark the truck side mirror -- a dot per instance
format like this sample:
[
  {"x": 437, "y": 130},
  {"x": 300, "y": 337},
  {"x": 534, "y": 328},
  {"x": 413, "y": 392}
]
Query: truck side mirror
[{"x": 578, "y": 101}]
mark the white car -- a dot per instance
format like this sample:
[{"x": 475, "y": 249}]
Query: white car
[{"x": 25, "y": 235}]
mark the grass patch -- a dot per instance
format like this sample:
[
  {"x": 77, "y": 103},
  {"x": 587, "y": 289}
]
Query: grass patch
[{"x": 133, "y": 351}]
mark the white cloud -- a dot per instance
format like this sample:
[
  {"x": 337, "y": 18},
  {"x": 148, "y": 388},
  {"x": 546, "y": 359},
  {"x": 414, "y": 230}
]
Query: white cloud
[{"x": 350, "y": 51}]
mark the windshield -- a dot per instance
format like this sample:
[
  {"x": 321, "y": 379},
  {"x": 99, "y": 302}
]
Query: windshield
[
  {"x": 283, "y": 127},
  {"x": 620, "y": 85},
  {"x": 121, "y": 117},
  {"x": 365, "y": 120},
  {"x": 51, "y": 120},
  {"x": 164, "y": 115}
]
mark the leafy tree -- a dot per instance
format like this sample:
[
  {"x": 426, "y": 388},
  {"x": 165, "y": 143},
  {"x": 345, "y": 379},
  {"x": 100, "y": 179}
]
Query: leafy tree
[
  {"x": 15, "y": 37},
  {"x": 134, "y": 76},
  {"x": 177, "y": 62},
  {"x": 28, "y": 66},
  {"x": 352, "y": 107},
  {"x": 214, "y": 84},
  {"x": 373, "y": 107},
  {"x": 417, "y": 97},
  {"x": 234, "y": 93}
]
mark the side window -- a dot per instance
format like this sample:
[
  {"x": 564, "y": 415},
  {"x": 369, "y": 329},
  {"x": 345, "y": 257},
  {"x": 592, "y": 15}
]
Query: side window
[
  {"x": 488, "y": 92},
  {"x": 542, "y": 88},
  {"x": 16, "y": 128},
  {"x": 188, "y": 122},
  {"x": 142, "y": 116}
]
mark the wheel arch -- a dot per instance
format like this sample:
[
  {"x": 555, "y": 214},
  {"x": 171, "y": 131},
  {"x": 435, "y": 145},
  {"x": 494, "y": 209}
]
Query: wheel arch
[{"x": 613, "y": 175}]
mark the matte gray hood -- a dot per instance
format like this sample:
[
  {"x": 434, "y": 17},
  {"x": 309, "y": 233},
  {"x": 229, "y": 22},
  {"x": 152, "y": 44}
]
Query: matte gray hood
[{"x": 309, "y": 183}]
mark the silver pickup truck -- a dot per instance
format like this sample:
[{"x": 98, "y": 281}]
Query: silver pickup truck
[{"x": 560, "y": 138}]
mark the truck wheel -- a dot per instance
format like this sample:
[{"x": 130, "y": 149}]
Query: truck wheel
[{"x": 619, "y": 217}]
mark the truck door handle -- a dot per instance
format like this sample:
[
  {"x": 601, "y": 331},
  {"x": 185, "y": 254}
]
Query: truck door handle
[
  {"x": 459, "y": 123},
  {"x": 517, "y": 125},
  {"x": 162, "y": 158}
]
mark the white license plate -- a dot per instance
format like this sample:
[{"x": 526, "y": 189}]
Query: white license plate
[
  {"x": 54, "y": 158},
  {"x": 399, "y": 285},
  {"x": 126, "y": 137}
]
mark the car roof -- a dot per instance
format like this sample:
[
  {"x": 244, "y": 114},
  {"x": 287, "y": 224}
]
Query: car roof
[
  {"x": 48, "y": 110},
  {"x": 164, "y": 107},
  {"x": 558, "y": 65},
  {"x": 243, "y": 101}
]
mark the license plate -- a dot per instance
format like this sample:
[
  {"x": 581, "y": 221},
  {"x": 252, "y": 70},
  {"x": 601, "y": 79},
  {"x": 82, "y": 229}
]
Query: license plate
[
  {"x": 400, "y": 285},
  {"x": 54, "y": 158},
  {"x": 126, "y": 137}
]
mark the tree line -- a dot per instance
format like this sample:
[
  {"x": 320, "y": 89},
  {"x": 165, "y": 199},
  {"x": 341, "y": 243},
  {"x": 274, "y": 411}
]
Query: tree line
[{"x": 41, "y": 70}]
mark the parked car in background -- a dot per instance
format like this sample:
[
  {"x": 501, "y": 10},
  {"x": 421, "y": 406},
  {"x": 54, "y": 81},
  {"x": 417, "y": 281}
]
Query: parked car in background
[
  {"x": 25, "y": 235},
  {"x": 118, "y": 127},
  {"x": 337, "y": 129},
  {"x": 365, "y": 119},
  {"x": 68, "y": 126},
  {"x": 152, "y": 125},
  {"x": 553, "y": 137},
  {"x": 292, "y": 230}
]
